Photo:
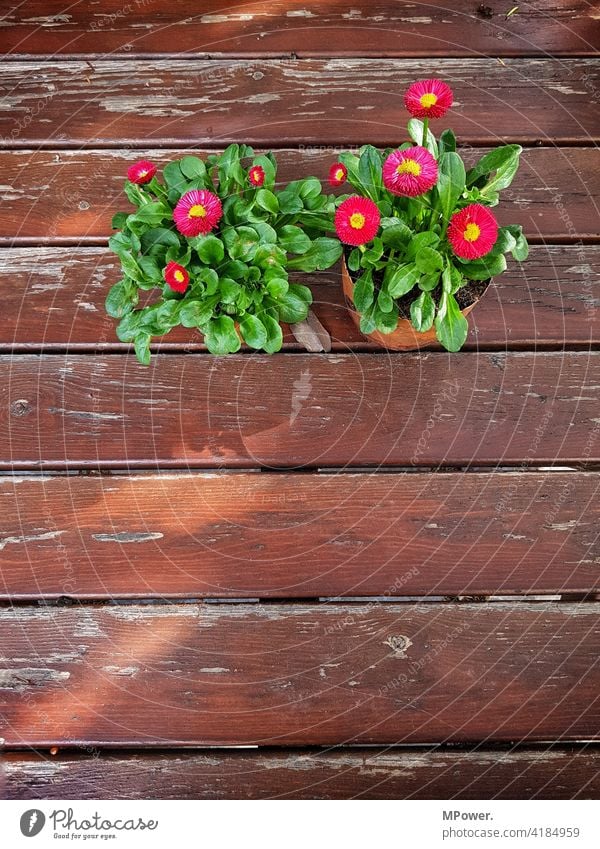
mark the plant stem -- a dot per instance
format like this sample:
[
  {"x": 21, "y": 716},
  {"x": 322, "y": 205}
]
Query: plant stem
[{"x": 425, "y": 130}]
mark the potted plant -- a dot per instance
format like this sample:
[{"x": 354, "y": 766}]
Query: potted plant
[
  {"x": 211, "y": 246},
  {"x": 421, "y": 244}
]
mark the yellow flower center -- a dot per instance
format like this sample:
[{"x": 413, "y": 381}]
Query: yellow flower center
[
  {"x": 179, "y": 276},
  {"x": 357, "y": 220},
  {"x": 428, "y": 100},
  {"x": 409, "y": 166},
  {"x": 472, "y": 232},
  {"x": 143, "y": 172},
  {"x": 339, "y": 174},
  {"x": 197, "y": 211}
]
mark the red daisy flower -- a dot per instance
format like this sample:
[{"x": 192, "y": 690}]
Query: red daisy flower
[
  {"x": 472, "y": 231},
  {"x": 198, "y": 211},
  {"x": 142, "y": 172},
  {"x": 337, "y": 174},
  {"x": 428, "y": 99},
  {"x": 357, "y": 220},
  {"x": 176, "y": 277},
  {"x": 256, "y": 175},
  {"x": 410, "y": 172}
]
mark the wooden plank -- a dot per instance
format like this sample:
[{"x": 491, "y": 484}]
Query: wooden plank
[
  {"x": 556, "y": 773},
  {"x": 318, "y": 410},
  {"x": 299, "y": 674},
  {"x": 71, "y": 196},
  {"x": 384, "y": 27},
  {"x": 53, "y": 298},
  {"x": 280, "y": 536},
  {"x": 337, "y": 101}
]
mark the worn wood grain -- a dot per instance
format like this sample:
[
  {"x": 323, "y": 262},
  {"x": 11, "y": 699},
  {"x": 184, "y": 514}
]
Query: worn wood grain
[
  {"x": 381, "y": 28},
  {"x": 316, "y": 410},
  {"x": 553, "y": 773},
  {"x": 53, "y": 298},
  {"x": 281, "y": 536},
  {"x": 325, "y": 674},
  {"x": 70, "y": 196},
  {"x": 336, "y": 101}
]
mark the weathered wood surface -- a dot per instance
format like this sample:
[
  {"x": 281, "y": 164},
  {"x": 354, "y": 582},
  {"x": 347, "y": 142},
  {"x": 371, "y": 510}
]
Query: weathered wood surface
[
  {"x": 299, "y": 674},
  {"x": 326, "y": 102},
  {"x": 317, "y": 410},
  {"x": 70, "y": 196},
  {"x": 553, "y": 773},
  {"x": 282, "y": 536},
  {"x": 53, "y": 298},
  {"x": 384, "y": 27}
]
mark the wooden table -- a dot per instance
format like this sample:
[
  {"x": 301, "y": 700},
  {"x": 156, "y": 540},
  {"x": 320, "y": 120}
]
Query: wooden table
[{"x": 302, "y": 553}]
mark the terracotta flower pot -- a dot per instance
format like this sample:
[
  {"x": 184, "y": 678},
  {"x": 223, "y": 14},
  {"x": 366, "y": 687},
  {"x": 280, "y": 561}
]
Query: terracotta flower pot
[{"x": 404, "y": 337}]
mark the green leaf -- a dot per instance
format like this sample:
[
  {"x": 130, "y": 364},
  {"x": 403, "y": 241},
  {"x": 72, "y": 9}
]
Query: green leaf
[
  {"x": 520, "y": 251},
  {"x": 415, "y": 131},
  {"x": 130, "y": 267},
  {"x": 118, "y": 220},
  {"x": 274, "y": 334},
  {"x": 373, "y": 253},
  {"x": 121, "y": 298},
  {"x": 253, "y": 331},
  {"x": 150, "y": 269},
  {"x": 268, "y": 201},
  {"x": 120, "y": 243},
  {"x": 401, "y": 279},
  {"x": 277, "y": 287},
  {"x": 363, "y": 292},
  {"x": 322, "y": 254},
  {"x": 447, "y": 143},
  {"x": 228, "y": 290},
  {"x": 482, "y": 269},
  {"x": 128, "y": 326},
  {"x": 142, "y": 348},
  {"x": 267, "y": 233},
  {"x": 428, "y": 260},
  {"x": 294, "y": 240},
  {"x": 499, "y": 166},
  {"x": 196, "y": 313},
  {"x": 367, "y": 320},
  {"x": 384, "y": 302},
  {"x": 422, "y": 312},
  {"x": 159, "y": 236},
  {"x": 451, "y": 182},
  {"x": 421, "y": 240},
  {"x": 369, "y": 171},
  {"x": 242, "y": 242},
  {"x": 221, "y": 336},
  {"x": 397, "y": 235},
  {"x": 428, "y": 282},
  {"x": 193, "y": 168},
  {"x": 504, "y": 242},
  {"x": 136, "y": 195},
  {"x": 152, "y": 213},
  {"x": 353, "y": 259},
  {"x": 293, "y": 306},
  {"x": 167, "y": 315},
  {"x": 386, "y": 321},
  {"x": 452, "y": 279},
  {"x": 174, "y": 178},
  {"x": 209, "y": 248},
  {"x": 451, "y": 327},
  {"x": 309, "y": 187}
]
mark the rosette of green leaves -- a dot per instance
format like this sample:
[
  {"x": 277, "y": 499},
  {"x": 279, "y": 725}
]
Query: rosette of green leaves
[
  {"x": 239, "y": 274},
  {"x": 411, "y": 255}
]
